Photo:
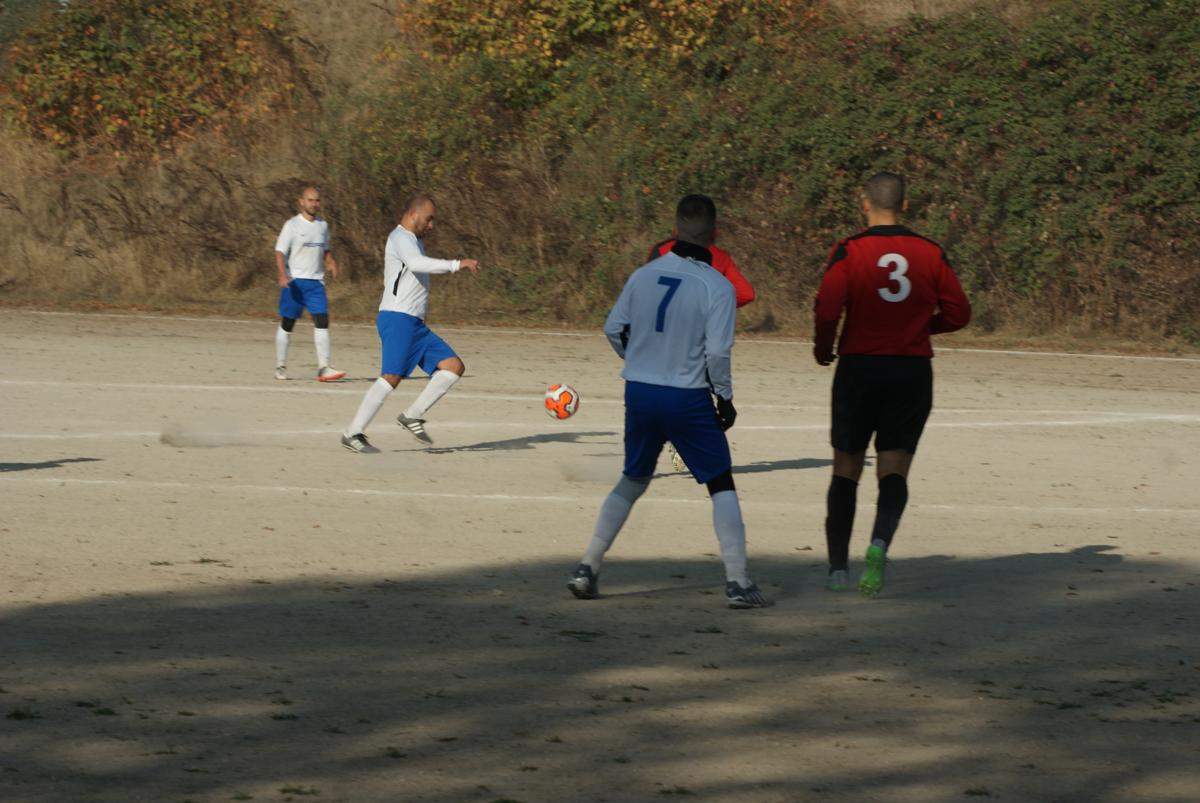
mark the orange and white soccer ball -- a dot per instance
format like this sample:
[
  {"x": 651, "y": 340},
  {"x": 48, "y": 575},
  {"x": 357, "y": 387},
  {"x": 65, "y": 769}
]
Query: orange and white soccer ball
[{"x": 561, "y": 401}]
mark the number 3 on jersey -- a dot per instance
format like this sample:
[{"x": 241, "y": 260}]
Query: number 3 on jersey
[
  {"x": 672, "y": 284},
  {"x": 899, "y": 266}
]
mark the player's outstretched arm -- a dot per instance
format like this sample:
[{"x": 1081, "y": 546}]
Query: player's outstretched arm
[{"x": 417, "y": 262}]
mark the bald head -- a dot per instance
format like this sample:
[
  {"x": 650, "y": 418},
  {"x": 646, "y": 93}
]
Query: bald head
[
  {"x": 309, "y": 201},
  {"x": 417, "y": 214}
]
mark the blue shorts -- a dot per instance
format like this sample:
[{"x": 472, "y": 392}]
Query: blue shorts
[
  {"x": 300, "y": 295},
  {"x": 409, "y": 343},
  {"x": 655, "y": 414}
]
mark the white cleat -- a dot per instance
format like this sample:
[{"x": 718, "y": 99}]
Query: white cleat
[
  {"x": 328, "y": 374},
  {"x": 281, "y": 373}
]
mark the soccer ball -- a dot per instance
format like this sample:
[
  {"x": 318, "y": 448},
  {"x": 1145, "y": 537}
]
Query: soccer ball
[{"x": 561, "y": 401}]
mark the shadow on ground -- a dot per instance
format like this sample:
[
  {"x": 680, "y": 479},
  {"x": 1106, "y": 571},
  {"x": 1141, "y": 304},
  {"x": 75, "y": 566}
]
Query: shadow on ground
[
  {"x": 1053, "y": 676},
  {"x": 526, "y": 442},
  {"x": 59, "y": 463}
]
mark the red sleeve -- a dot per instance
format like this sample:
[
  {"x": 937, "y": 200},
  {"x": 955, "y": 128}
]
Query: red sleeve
[
  {"x": 831, "y": 300},
  {"x": 660, "y": 248},
  {"x": 742, "y": 289},
  {"x": 954, "y": 310}
]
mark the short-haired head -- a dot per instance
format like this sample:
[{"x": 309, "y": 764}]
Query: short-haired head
[
  {"x": 418, "y": 213},
  {"x": 696, "y": 220},
  {"x": 309, "y": 200},
  {"x": 885, "y": 191},
  {"x": 416, "y": 203}
]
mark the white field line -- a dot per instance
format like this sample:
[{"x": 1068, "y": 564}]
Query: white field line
[
  {"x": 486, "y": 396},
  {"x": 582, "y": 500},
  {"x": 233, "y": 435},
  {"x": 586, "y": 335}
]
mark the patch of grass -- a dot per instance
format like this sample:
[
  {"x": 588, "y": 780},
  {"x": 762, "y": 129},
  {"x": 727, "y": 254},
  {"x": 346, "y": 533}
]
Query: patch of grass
[
  {"x": 22, "y": 714},
  {"x": 299, "y": 790}
]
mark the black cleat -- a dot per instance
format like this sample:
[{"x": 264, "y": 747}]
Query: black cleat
[
  {"x": 358, "y": 443},
  {"x": 583, "y": 583},
  {"x": 748, "y": 597}
]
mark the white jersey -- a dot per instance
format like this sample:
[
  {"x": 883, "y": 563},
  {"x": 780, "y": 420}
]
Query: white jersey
[
  {"x": 303, "y": 244},
  {"x": 673, "y": 324},
  {"x": 406, "y": 272}
]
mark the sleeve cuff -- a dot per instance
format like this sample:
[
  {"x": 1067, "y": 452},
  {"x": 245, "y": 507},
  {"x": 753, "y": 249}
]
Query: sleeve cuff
[{"x": 457, "y": 263}]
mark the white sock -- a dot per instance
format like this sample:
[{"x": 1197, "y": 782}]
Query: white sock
[
  {"x": 731, "y": 535},
  {"x": 439, "y": 383},
  {"x": 321, "y": 339},
  {"x": 376, "y": 395},
  {"x": 281, "y": 346},
  {"x": 613, "y": 513}
]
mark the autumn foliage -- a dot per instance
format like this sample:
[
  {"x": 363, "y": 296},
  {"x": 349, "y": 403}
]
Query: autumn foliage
[{"x": 129, "y": 75}]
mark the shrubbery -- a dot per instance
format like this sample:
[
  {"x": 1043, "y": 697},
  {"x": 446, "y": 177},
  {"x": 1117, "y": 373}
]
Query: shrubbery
[
  {"x": 1058, "y": 159},
  {"x": 127, "y": 75}
]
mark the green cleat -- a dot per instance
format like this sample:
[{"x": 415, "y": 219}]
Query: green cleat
[{"x": 871, "y": 581}]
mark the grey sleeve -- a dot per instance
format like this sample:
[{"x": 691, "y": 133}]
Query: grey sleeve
[
  {"x": 616, "y": 326},
  {"x": 718, "y": 340}
]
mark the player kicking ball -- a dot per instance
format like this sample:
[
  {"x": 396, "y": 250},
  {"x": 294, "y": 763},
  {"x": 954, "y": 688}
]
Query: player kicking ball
[
  {"x": 896, "y": 289},
  {"x": 673, "y": 326},
  {"x": 301, "y": 256},
  {"x": 407, "y": 342}
]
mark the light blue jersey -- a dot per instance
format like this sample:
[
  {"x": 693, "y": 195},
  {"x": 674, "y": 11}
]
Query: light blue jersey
[{"x": 673, "y": 324}]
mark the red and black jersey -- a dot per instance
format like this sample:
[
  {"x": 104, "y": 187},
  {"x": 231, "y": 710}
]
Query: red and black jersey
[
  {"x": 723, "y": 263},
  {"x": 896, "y": 288}
]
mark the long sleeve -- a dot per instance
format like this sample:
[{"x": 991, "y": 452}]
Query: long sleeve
[
  {"x": 743, "y": 290},
  {"x": 954, "y": 310},
  {"x": 831, "y": 300},
  {"x": 616, "y": 325},
  {"x": 718, "y": 342},
  {"x": 410, "y": 254}
]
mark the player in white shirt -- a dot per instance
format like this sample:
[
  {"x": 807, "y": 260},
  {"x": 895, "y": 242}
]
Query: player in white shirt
[
  {"x": 673, "y": 325},
  {"x": 407, "y": 341},
  {"x": 301, "y": 256}
]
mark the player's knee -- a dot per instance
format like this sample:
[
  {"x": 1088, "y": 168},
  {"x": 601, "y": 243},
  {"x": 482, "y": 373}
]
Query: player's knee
[
  {"x": 454, "y": 365},
  {"x": 321, "y": 320},
  {"x": 724, "y": 482},
  {"x": 287, "y": 324},
  {"x": 631, "y": 488},
  {"x": 391, "y": 379}
]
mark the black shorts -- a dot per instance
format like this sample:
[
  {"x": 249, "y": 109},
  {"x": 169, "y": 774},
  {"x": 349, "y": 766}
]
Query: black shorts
[{"x": 885, "y": 395}]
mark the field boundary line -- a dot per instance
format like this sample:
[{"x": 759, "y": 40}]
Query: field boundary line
[
  {"x": 586, "y": 500},
  {"x": 485, "y": 396},
  {"x": 559, "y": 333},
  {"x": 248, "y": 435}
]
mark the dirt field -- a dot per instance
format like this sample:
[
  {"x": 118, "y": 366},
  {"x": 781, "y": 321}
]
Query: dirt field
[{"x": 206, "y": 598}]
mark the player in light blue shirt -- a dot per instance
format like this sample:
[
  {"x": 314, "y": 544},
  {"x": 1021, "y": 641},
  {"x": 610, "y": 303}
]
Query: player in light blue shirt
[{"x": 673, "y": 326}]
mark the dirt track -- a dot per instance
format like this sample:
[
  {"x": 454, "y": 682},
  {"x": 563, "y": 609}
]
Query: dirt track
[{"x": 205, "y": 596}]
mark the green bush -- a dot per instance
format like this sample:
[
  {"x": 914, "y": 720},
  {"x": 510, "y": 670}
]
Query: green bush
[
  {"x": 1057, "y": 158},
  {"x": 127, "y": 75}
]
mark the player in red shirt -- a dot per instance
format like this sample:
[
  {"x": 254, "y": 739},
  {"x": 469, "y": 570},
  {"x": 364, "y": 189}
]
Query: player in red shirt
[
  {"x": 896, "y": 289},
  {"x": 722, "y": 262}
]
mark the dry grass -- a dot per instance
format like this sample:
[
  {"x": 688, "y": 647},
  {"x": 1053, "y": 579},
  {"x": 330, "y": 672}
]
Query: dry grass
[{"x": 887, "y": 12}]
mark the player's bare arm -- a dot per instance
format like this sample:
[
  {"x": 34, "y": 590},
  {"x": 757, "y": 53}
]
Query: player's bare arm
[
  {"x": 331, "y": 265},
  {"x": 281, "y": 269}
]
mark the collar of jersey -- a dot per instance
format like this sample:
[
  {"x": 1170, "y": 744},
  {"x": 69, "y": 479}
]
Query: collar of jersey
[
  {"x": 888, "y": 231},
  {"x": 689, "y": 251}
]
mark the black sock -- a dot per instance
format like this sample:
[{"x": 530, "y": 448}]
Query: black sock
[
  {"x": 839, "y": 520},
  {"x": 893, "y": 496}
]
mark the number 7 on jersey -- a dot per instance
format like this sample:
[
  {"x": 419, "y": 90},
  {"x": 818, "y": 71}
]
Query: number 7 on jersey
[{"x": 672, "y": 284}]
